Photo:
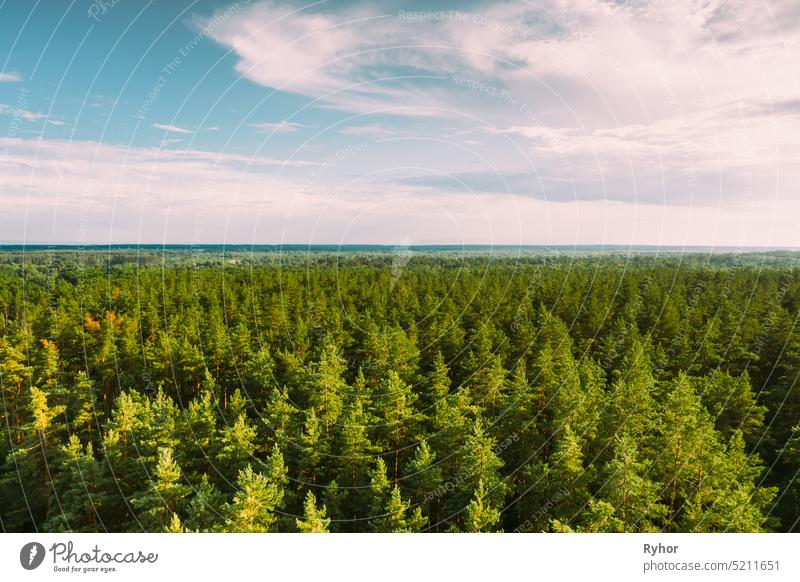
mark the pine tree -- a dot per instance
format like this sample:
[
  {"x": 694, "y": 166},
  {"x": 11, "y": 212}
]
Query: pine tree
[
  {"x": 33, "y": 461},
  {"x": 196, "y": 434},
  {"x": 567, "y": 475},
  {"x": 277, "y": 472},
  {"x": 83, "y": 489},
  {"x": 16, "y": 380},
  {"x": 175, "y": 525},
  {"x": 480, "y": 516},
  {"x": 488, "y": 386},
  {"x": 478, "y": 463},
  {"x": 395, "y": 407},
  {"x": 438, "y": 384},
  {"x": 163, "y": 497},
  {"x": 731, "y": 402},
  {"x": 452, "y": 422},
  {"x": 736, "y": 503},
  {"x": 204, "y": 511},
  {"x": 237, "y": 407},
  {"x": 80, "y": 408},
  {"x": 259, "y": 374},
  {"x": 632, "y": 406},
  {"x": 354, "y": 454},
  {"x": 423, "y": 478},
  {"x": 125, "y": 456},
  {"x": 314, "y": 520},
  {"x": 689, "y": 450},
  {"x": 314, "y": 448},
  {"x": 236, "y": 447},
  {"x": 705, "y": 485},
  {"x": 163, "y": 416},
  {"x": 790, "y": 494},
  {"x": 520, "y": 418},
  {"x": 336, "y": 500},
  {"x": 395, "y": 516},
  {"x": 628, "y": 490},
  {"x": 280, "y": 417},
  {"x": 105, "y": 353},
  {"x": 48, "y": 369},
  {"x": 598, "y": 518},
  {"x": 379, "y": 486},
  {"x": 254, "y": 504},
  {"x": 327, "y": 386}
]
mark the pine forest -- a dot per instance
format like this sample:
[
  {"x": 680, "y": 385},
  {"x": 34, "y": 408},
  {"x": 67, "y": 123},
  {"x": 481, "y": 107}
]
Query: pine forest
[{"x": 409, "y": 391}]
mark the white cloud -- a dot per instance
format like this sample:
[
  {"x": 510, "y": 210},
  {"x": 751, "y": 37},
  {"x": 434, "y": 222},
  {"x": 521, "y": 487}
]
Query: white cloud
[
  {"x": 21, "y": 113},
  {"x": 588, "y": 62},
  {"x": 173, "y": 128},
  {"x": 90, "y": 192},
  {"x": 370, "y": 129},
  {"x": 10, "y": 77},
  {"x": 31, "y": 116},
  {"x": 340, "y": 56},
  {"x": 281, "y": 127},
  {"x": 279, "y": 45},
  {"x": 87, "y": 191},
  {"x": 658, "y": 102},
  {"x": 621, "y": 122}
]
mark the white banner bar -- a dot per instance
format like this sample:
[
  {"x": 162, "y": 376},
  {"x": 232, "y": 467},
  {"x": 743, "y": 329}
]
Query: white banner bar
[{"x": 400, "y": 557}]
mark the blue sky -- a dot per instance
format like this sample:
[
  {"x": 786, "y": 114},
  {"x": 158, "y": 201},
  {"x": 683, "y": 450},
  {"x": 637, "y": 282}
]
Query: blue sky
[{"x": 555, "y": 122}]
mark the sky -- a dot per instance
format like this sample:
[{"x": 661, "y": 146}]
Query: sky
[{"x": 637, "y": 122}]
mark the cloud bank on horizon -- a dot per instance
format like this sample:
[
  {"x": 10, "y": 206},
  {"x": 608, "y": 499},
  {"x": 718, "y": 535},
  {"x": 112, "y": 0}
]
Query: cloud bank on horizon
[{"x": 555, "y": 122}]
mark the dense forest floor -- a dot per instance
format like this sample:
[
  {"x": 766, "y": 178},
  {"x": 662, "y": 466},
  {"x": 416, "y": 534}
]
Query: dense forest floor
[{"x": 399, "y": 391}]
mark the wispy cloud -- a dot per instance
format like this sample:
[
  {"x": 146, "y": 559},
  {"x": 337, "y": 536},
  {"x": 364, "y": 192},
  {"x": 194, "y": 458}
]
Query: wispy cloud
[
  {"x": 173, "y": 128},
  {"x": 350, "y": 56},
  {"x": 281, "y": 127},
  {"x": 91, "y": 192},
  {"x": 586, "y": 61},
  {"x": 667, "y": 103},
  {"x": 31, "y": 116},
  {"x": 10, "y": 77},
  {"x": 370, "y": 129},
  {"x": 21, "y": 113},
  {"x": 76, "y": 189}
]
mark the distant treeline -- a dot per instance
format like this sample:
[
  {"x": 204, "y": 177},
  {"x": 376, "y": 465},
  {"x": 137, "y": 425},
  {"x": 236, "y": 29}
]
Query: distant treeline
[{"x": 398, "y": 391}]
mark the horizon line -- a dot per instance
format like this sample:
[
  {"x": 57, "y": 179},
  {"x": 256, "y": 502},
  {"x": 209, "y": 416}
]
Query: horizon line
[{"x": 8, "y": 246}]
